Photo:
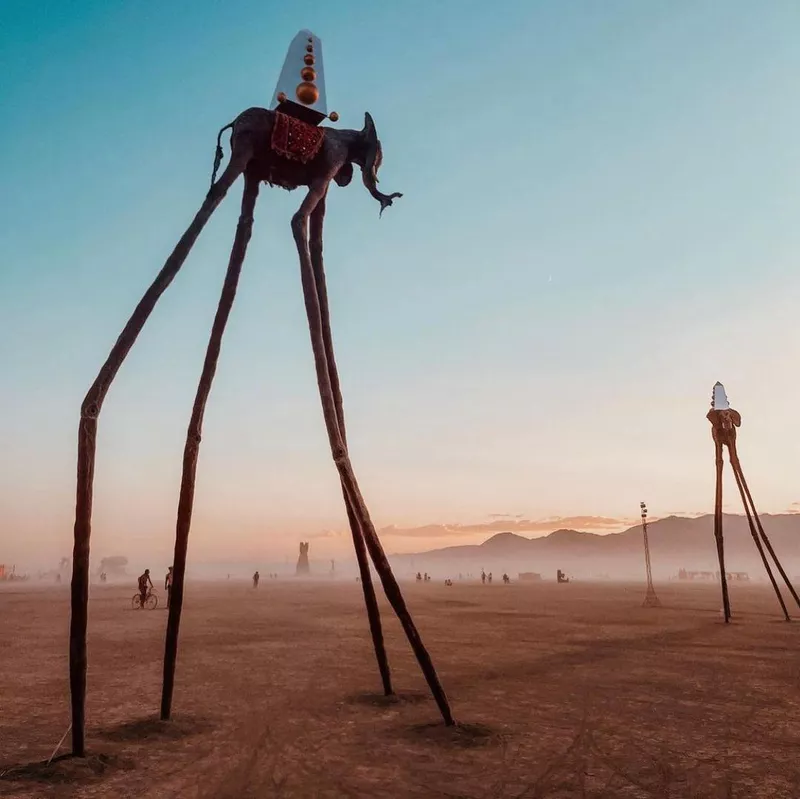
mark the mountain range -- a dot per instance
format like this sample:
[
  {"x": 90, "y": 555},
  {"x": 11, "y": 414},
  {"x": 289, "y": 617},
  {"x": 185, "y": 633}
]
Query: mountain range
[{"x": 675, "y": 542}]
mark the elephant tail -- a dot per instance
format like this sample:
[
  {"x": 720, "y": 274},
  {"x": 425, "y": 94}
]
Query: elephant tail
[{"x": 219, "y": 154}]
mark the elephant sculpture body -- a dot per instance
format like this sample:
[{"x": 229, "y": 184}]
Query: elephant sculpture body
[
  {"x": 266, "y": 146},
  {"x": 254, "y": 149}
]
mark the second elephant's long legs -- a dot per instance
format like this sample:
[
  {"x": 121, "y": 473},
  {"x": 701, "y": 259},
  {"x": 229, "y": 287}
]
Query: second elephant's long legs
[
  {"x": 87, "y": 445},
  {"x": 193, "y": 435},
  {"x": 737, "y": 467},
  {"x": 342, "y": 459},
  {"x": 754, "y": 533},
  {"x": 370, "y": 600},
  {"x": 726, "y": 605}
]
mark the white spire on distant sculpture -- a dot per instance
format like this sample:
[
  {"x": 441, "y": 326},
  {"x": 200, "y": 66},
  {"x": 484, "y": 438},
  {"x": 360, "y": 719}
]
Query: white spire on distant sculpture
[{"x": 719, "y": 399}]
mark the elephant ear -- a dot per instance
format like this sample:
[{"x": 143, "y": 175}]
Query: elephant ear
[
  {"x": 344, "y": 175},
  {"x": 373, "y": 158},
  {"x": 373, "y": 155}
]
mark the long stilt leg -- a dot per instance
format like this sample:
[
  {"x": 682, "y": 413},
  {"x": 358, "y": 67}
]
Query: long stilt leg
[
  {"x": 726, "y": 605},
  {"x": 390, "y": 585},
  {"x": 342, "y": 460},
  {"x": 193, "y": 435},
  {"x": 370, "y": 600},
  {"x": 87, "y": 434},
  {"x": 740, "y": 484},
  {"x": 737, "y": 467}
]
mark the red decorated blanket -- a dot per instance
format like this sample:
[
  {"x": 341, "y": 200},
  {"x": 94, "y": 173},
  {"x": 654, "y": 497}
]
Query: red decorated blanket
[{"x": 294, "y": 139}]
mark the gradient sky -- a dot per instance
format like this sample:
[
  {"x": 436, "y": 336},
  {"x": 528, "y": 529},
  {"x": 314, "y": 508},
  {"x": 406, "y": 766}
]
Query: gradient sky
[{"x": 599, "y": 221}]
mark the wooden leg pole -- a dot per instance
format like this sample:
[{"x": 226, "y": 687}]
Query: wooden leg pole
[
  {"x": 87, "y": 444},
  {"x": 193, "y": 435},
  {"x": 726, "y": 605},
  {"x": 736, "y": 463},
  {"x": 392, "y": 588},
  {"x": 342, "y": 461},
  {"x": 740, "y": 484},
  {"x": 370, "y": 600}
]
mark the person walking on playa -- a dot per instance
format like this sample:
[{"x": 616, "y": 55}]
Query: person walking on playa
[{"x": 168, "y": 584}]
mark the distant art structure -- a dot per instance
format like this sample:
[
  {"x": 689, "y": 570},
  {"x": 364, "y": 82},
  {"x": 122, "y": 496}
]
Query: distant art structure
[
  {"x": 651, "y": 600},
  {"x": 724, "y": 421},
  {"x": 281, "y": 146},
  {"x": 302, "y": 562}
]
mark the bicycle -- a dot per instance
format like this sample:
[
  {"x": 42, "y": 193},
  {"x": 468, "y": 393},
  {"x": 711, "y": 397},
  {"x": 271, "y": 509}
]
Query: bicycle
[{"x": 150, "y": 602}]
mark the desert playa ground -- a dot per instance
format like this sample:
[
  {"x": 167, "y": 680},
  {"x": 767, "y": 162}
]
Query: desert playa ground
[{"x": 562, "y": 690}]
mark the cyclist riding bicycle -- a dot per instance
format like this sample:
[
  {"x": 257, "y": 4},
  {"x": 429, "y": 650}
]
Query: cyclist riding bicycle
[{"x": 144, "y": 579}]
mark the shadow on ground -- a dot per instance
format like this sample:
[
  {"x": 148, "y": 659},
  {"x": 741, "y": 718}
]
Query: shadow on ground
[
  {"x": 150, "y": 728},
  {"x": 66, "y": 769}
]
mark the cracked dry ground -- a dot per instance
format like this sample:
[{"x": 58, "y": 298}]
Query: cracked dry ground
[{"x": 563, "y": 691}]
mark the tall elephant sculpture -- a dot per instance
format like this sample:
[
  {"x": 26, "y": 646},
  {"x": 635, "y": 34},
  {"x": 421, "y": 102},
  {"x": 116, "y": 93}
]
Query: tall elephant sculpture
[{"x": 280, "y": 148}]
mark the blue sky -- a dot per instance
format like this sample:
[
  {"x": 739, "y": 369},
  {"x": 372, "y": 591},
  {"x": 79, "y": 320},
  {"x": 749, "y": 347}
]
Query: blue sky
[{"x": 599, "y": 221}]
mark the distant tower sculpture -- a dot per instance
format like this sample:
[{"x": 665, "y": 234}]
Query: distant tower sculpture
[
  {"x": 302, "y": 561},
  {"x": 724, "y": 421},
  {"x": 650, "y": 598}
]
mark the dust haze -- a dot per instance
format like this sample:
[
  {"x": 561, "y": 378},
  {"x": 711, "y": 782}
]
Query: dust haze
[{"x": 676, "y": 543}]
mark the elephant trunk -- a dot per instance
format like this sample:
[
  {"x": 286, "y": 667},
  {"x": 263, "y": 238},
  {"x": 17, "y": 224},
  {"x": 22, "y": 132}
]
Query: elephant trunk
[{"x": 372, "y": 161}]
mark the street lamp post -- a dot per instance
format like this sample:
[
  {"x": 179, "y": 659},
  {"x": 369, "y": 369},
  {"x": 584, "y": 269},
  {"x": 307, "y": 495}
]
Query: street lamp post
[{"x": 650, "y": 598}]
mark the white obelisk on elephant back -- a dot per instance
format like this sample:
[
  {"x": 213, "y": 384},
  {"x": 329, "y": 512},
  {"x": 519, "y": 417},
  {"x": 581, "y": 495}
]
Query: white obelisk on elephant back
[{"x": 301, "y": 86}]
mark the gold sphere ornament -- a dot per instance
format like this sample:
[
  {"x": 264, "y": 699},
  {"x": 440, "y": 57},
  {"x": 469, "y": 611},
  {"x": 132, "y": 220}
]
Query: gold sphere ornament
[
  {"x": 333, "y": 116},
  {"x": 309, "y": 59},
  {"x": 307, "y": 93},
  {"x": 281, "y": 97},
  {"x": 307, "y": 73}
]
